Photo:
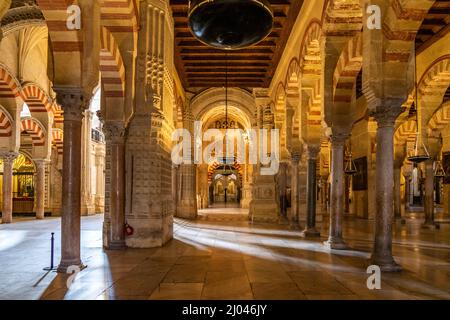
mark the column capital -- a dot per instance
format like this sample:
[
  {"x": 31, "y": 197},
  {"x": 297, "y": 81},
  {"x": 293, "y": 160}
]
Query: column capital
[
  {"x": 73, "y": 102},
  {"x": 296, "y": 156},
  {"x": 9, "y": 157},
  {"x": 338, "y": 139},
  {"x": 312, "y": 151},
  {"x": 40, "y": 163},
  {"x": 385, "y": 117},
  {"x": 114, "y": 132}
]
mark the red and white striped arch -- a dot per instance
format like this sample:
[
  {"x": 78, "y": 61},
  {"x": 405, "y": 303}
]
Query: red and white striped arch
[
  {"x": 58, "y": 139},
  {"x": 111, "y": 66},
  {"x": 9, "y": 85},
  {"x": 36, "y": 98},
  {"x": 34, "y": 130},
  {"x": 406, "y": 132},
  {"x": 348, "y": 67},
  {"x": 119, "y": 15},
  {"x": 436, "y": 79},
  {"x": 5, "y": 124}
]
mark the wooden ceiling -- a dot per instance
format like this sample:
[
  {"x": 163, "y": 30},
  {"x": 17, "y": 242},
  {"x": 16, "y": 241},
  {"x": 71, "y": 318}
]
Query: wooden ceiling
[
  {"x": 201, "y": 66},
  {"x": 435, "y": 25}
]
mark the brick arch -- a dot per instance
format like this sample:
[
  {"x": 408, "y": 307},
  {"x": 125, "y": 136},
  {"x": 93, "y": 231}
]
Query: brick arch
[
  {"x": 32, "y": 127},
  {"x": 5, "y": 123},
  {"x": 293, "y": 75},
  {"x": 111, "y": 66},
  {"x": 309, "y": 56},
  {"x": 346, "y": 73},
  {"x": 36, "y": 98},
  {"x": 64, "y": 42},
  {"x": 342, "y": 17},
  {"x": 58, "y": 139},
  {"x": 213, "y": 167},
  {"x": 407, "y": 131},
  {"x": 436, "y": 79},
  {"x": 440, "y": 119},
  {"x": 9, "y": 85}
]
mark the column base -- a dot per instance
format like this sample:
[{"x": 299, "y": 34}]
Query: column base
[
  {"x": 430, "y": 226},
  {"x": 6, "y": 220},
  {"x": 386, "y": 264},
  {"x": 117, "y": 245},
  {"x": 64, "y": 265},
  {"x": 335, "y": 244},
  {"x": 310, "y": 233}
]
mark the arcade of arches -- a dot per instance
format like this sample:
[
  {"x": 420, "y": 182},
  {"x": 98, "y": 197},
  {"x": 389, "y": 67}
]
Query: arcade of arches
[{"x": 86, "y": 123}]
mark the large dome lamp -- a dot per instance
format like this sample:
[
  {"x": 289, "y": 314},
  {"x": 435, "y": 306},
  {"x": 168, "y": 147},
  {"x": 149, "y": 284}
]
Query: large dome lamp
[{"x": 230, "y": 24}]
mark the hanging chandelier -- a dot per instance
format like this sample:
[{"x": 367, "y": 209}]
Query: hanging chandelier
[
  {"x": 350, "y": 166},
  {"x": 439, "y": 171},
  {"x": 230, "y": 24},
  {"x": 420, "y": 150}
]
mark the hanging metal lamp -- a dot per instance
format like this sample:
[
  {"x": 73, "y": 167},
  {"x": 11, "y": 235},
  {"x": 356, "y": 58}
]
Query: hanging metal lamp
[
  {"x": 230, "y": 24},
  {"x": 350, "y": 166},
  {"x": 439, "y": 171},
  {"x": 420, "y": 150}
]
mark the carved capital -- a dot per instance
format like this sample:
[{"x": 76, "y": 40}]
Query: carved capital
[
  {"x": 115, "y": 132},
  {"x": 8, "y": 157},
  {"x": 40, "y": 164},
  {"x": 73, "y": 102},
  {"x": 338, "y": 139},
  {"x": 312, "y": 151}
]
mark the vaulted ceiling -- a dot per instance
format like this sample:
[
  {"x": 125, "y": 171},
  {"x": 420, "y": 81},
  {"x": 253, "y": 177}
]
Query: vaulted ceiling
[
  {"x": 203, "y": 66},
  {"x": 435, "y": 25}
]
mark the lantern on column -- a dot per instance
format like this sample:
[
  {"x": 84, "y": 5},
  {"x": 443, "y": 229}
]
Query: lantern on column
[
  {"x": 439, "y": 171},
  {"x": 350, "y": 166}
]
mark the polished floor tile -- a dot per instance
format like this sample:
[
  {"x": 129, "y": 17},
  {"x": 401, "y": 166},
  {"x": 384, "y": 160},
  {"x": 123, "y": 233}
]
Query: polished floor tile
[{"x": 225, "y": 260}]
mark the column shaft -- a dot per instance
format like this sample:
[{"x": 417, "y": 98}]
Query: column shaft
[
  {"x": 8, "y": 161},
  {"x": 382, "y": 250},
  {"x": 429, "y": 195},
  {"x": 311, "y": 189},
  {"x": 72, "y": 101},
  {"x": 397, "y": 195},
  {"x": 335, "y": 240},
  {"x": 293, "y": 219},
  {"x": 40, "y": 189}
]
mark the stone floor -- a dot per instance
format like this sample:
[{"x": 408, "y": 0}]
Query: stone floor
[
  {"x": 223, "y": 212},
  {"x": 224, "y": 261}
]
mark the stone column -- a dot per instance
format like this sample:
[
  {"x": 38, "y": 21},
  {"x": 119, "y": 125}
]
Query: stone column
[
  {"x": 294, "y": 218},
  {"x": 382, "y": 249},
  {"x": 115, "y": 139},
  {"x": 8, "y": 161},
  {"x": 73, "y": 103},
  {"x": 397, "y": 195},
  {"x": 335, "y": 240},
  {"x": 311, "y": 188},
  {"x": 281, "y": 183},
  {"x": 429, "y": 195},
  {"x": 407, "y": 191},
  {"x": 40, "y": 188}
]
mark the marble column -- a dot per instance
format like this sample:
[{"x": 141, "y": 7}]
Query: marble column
[
  {"x": 7, "y": 210},
  {"x": 311, "y": 191},
  {"x": 295, "y": 205},
  {"x": 397, "y": 195},
  {"x": 335, "y": 240},
  {"x": 429, "y": 195},
  {"x": 40, "y": 188},
  {"x": 115, "y": 140},
  {"x": 281, "y": 183},
  {"x": 407, "y": 192},
  {"x": 73, "y": 103},
  {"x": 384, "y": 217}
]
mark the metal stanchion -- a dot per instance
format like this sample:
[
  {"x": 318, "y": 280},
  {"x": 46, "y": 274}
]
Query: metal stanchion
[{"x": 52, "y": 254}]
